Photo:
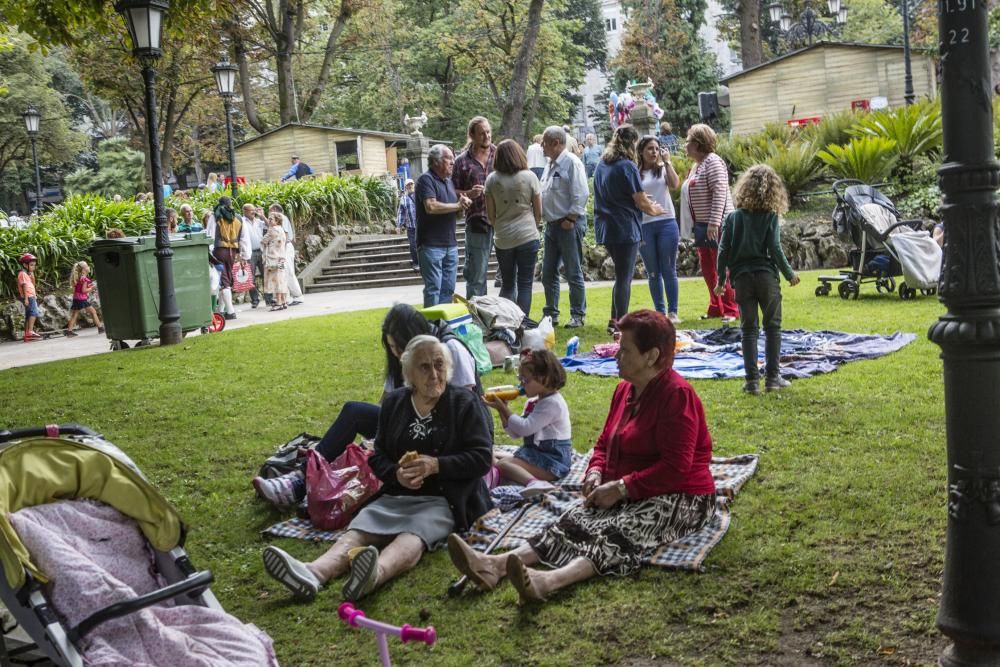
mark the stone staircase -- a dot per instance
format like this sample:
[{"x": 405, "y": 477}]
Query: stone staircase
[{"x": 382, "y": 261}]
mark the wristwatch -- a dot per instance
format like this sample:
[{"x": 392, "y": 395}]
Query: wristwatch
[{"x": 622, "y": 489}]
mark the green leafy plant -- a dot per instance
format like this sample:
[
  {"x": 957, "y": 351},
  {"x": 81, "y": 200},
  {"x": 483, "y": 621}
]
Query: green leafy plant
[
  {"x": 915, "y": 130},
  {"x": 869, "y": 159},
  {"x": 834, "y": 128},
  {"x": 120, "y": 170},
  {"x": 797, "y": 165}
]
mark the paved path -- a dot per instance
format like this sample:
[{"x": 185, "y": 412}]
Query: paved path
[{"x": 89, "y": 342}]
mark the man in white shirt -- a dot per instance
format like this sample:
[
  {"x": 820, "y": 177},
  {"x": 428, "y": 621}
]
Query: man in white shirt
[
  {"x": 564, "y": 210},
  {"x": 536, "y": 156},
  {"x": 257, "y": 231}
]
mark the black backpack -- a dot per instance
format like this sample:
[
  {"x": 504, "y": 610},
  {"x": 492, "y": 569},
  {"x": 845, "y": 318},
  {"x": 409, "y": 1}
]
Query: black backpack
[{"x": 289, "y": 457}]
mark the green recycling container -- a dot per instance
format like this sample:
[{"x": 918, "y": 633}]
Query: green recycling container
[{"x": 129, "y": 286}]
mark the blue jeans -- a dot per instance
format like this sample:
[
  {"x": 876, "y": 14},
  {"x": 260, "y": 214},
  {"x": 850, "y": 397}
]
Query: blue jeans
[
  {"x": 566, "y": 246},
  {"x": 517, "y": 272},
  {"x": 439, "y": 270},
  {"x": 477, "y": 262},
  {"x": 659, "y": 253},
  {"x": 623, "y": 255},
  {"x": 411, "y": 238},
  {"x": 355, "y": 419}
]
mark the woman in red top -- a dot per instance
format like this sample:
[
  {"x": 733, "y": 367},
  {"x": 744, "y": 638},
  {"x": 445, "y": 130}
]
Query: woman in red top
[{"x": 648, "y": 482}]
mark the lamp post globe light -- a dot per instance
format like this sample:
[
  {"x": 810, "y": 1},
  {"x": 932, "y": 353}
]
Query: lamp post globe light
[
  {"x": 225, "y": 81},
  {"x": 144, "y": 20},
  {"x": 32, "y": 120},
  {"x": 809, "y": 25}
]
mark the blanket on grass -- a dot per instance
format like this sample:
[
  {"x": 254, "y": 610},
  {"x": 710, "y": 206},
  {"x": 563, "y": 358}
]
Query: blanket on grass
[
  {"x": 717, "y": 353},
  {"x": 686, "y": 554}
]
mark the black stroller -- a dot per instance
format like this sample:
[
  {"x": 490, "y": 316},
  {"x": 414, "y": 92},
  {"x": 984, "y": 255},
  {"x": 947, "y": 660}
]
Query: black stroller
[{"x": 885, "y": 247}]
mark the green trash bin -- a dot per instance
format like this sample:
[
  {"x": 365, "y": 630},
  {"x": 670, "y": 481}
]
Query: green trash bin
[{"x": 129, "y": 286}]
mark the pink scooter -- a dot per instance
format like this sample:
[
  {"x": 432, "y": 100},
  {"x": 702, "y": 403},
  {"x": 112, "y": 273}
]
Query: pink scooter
[{"x": 356, "y": 619}]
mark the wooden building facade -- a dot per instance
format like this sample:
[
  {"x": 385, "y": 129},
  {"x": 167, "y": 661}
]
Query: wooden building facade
[
  {"x": 330, "y": 150},
  {"x": 821, "y": 79}
]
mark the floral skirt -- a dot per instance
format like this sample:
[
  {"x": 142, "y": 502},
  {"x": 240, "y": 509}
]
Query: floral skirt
[{"x": 619, "y": 539}]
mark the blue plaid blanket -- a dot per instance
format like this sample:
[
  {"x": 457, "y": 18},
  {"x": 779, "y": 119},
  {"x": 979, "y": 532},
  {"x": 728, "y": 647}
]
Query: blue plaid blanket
[{"x": 685, "y": 554}]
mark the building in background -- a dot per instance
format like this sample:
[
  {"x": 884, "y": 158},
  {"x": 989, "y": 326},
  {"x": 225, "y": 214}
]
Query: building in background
[{"x": 592, "y": 93}]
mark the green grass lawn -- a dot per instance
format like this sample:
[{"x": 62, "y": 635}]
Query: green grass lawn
[{"x": 834, "y": 554}]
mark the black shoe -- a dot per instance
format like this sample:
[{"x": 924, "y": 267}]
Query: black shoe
[
  {"x": 497, "y": 283},
  {"x": 612, "y": 327},
  {"x": 776, "y": 384},
  {"x": 71, "y": 334},
  {"x": 230, "y": 316},
  {"x": 254, "y": 304},
  {"x": 751, "y": 387},
  {"x": 574, "y": 323}
]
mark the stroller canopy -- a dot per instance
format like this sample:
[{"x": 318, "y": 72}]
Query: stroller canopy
[{"x": 36, "y": 471}]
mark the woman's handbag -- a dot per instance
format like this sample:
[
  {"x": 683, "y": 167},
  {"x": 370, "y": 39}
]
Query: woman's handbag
[
  {"x": 334, "y": 491},
  {"x": 242, "y": 277}
]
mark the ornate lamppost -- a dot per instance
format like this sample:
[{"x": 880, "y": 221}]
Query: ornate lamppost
[
  {"x": 144, "y": 19},
  {"x": 32, "y": 119},
  {"x": 225, "y": 81},
  {"x": 969, "y": 336},
  {"x": 809, "y": 24}
]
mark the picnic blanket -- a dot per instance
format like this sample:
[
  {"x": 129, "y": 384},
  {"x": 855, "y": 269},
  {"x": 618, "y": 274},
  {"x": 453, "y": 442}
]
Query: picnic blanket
[
  {"x": 686, "y": 554},
  {"x": 717, "y": 353}
]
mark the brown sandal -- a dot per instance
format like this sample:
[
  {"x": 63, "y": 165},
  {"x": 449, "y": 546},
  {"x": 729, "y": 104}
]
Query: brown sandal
[
  {"x": 520, "y": 579},
  {"x": 464, "y": 559}
]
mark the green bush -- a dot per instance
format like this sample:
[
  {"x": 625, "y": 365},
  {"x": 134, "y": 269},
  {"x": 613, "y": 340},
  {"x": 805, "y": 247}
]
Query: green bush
[
  {"x": 915, "y": 130},
  {"x": 869, "y": 159},
  {"x": 797, "y": 165},
  {"x": 832, "y": 129},
  {"x": 63, "y": 235},
  {"x": 120, "y": 170}
]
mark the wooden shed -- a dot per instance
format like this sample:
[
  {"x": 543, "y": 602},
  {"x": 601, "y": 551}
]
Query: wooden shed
[
  {"x": 821, "y": 79},
  {"x": 333, "y": 150}
]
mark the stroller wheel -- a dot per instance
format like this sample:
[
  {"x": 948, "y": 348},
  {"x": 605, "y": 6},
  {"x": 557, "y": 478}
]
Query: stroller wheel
[
  {"x": 847, "y": 289},
  {"x": 887, "y": 284},
  {"x": 823, "y": 290},
  {"x": 905, "y": 293}
]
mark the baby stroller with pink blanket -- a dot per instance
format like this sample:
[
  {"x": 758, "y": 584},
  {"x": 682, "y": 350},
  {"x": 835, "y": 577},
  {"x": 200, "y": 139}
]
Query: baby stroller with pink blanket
[{"x": 92, "y": 564}]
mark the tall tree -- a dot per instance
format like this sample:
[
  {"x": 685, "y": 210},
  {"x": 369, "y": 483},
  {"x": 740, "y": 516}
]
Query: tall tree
[
  {"x": 276, "y": 31},
  {"x": 23, "y": 71}
]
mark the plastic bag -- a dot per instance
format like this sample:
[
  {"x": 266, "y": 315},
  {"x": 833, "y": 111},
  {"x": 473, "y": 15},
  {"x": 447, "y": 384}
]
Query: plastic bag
[
  {"x": 548, "y": 332},
  {"x": 242, "y": 278},
  {"x": 334, "y": 491},
  {"x": 472, "y": 336}
]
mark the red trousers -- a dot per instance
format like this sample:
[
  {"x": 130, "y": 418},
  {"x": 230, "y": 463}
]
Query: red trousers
[{"x": 718, "y": 306}]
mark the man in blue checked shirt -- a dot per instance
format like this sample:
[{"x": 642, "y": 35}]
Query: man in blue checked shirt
[
  {"x": 406, "y": 217},
  {"x": 298, "y": 170}
]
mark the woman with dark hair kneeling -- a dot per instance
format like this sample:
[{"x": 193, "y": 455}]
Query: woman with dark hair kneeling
[
  {"x": 648, "y": 482},
  {"x": 432, "y": 448}
]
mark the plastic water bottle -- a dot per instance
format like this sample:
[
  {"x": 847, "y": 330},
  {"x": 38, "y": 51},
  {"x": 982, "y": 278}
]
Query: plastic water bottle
[{"x": 572, "y": 345}]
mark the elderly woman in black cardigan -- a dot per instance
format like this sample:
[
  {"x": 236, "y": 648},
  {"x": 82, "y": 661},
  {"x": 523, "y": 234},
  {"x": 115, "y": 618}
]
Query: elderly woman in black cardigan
[{"x": 422, "y": 500}]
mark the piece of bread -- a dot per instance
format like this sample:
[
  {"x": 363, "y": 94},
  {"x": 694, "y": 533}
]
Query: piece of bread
[{"x": 409, "y": 456}]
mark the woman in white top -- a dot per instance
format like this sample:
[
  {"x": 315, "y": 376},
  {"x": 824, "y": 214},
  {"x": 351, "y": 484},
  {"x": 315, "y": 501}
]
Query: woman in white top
[
  {"x": 514, "y": 209},
  {"x": 660, "y": 234}
]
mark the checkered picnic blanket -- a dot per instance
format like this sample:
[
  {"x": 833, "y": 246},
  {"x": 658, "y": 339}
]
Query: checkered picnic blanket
[{"x": 686, "y": 554}]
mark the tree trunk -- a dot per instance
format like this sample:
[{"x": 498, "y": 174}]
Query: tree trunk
[
  {"x": 751, "y": 50},
  {"x": 199, "y": 173},
  {"x": 512, "y": 123},
  {"x": 249, "y": 105},
  {"x": 285, "y": 46},
  {"x": 529, "y": 120},
  {"x": 324, "y": 72}
]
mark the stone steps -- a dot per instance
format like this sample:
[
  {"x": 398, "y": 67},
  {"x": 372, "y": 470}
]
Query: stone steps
[{"x": 378, "y": 262}]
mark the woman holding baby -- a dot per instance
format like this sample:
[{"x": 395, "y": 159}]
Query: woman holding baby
[{"x": 432, "y": 448}]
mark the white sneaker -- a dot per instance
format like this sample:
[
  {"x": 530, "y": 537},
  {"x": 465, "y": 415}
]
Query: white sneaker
[
  {"x": 291, "y": 572},
  {"x": 536, "y": 488},
  {"x": 282, "y": 491},
  {"x": 674, "y": 318}
]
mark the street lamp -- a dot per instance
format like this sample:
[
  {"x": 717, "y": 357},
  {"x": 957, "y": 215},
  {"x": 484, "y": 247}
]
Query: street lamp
[
  {"x": 225, "y": 81},
  {"x": 144, "y": 20},
  {"x": 969, "y": 336},
  {"x": 809, "y": 24},
  {"x": 32, "y": 119},
  {"x": 908, "y": 95}
]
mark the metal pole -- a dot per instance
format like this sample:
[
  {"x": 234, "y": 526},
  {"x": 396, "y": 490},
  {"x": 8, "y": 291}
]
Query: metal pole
[
  {"x": 170, "y": 327},
  {"x": 908, "y": 76},
  {"x": 969, "y": 336},
  {"x": 38, "y": 177},
  {"x": 228, "y": 104}
]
